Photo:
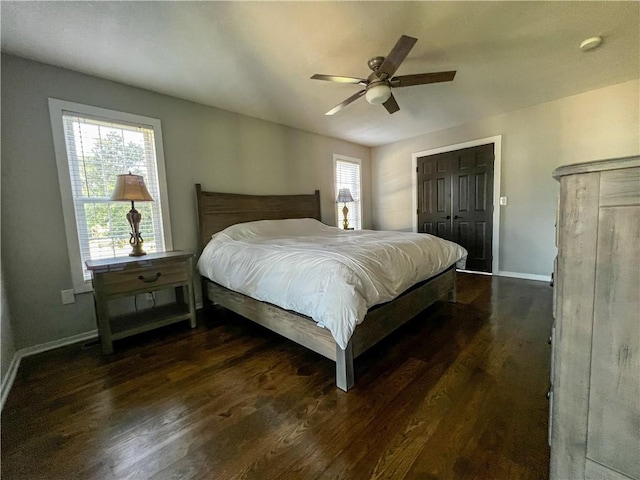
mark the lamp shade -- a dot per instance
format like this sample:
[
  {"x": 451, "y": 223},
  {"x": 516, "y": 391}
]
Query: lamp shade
[
  {"x": 344, "y": 195},
  {"x": 131, "y": 188},
  {"x": 378, "y": 94}
]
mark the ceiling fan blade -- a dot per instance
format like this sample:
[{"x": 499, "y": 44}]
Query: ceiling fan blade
[
  {"x": 396, "y": 56},
  {"x": 422, "y": 79},
  {"x": 391, "y": 105},
  {"x": 339, "y": 79},
  {"x": 349, "y": 100}
]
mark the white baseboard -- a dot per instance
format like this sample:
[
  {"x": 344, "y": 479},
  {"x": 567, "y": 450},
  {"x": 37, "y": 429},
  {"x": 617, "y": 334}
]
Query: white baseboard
[
  {"x": 43, "y": 347},
  {"x": 9, "y": 378},
  {"x": 473, "y": 272},
  {"x": 63, "y": 342},
  {"x": 525, "y": 276}
]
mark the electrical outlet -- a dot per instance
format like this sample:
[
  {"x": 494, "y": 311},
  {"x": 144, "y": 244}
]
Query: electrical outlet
[
  {"x": 68, "y": 297},
  {"x": 503, "y": 200}
]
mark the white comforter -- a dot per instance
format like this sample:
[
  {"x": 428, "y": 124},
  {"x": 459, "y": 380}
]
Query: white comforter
[{"x": 328, "y": 274}]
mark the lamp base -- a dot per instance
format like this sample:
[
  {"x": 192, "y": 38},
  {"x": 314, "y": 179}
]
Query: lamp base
[
  {"x": 136, "y": 241},
  {"x": 345, "y": 222},
  {"x": 136, "y": 251}
]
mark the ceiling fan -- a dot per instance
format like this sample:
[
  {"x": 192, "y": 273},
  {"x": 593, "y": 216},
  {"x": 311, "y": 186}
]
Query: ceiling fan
[{"x": 379, "y": 83}]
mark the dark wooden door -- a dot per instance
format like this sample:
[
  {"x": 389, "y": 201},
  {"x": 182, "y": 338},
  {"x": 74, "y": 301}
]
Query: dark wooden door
[{"x": 455, "y": 200}]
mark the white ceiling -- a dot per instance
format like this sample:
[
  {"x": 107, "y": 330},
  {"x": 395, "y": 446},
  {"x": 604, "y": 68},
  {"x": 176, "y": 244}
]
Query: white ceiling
[{"x": 255, "y": 58}]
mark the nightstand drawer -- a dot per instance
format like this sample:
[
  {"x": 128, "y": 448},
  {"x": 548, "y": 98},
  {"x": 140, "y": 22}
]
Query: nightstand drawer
[{"x": 150, "y": 277}]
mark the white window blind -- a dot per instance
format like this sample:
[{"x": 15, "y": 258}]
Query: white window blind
[
  {"x": 347, "y": 172},
  {"x": 93, "y": 145},
  {"x": 97, "y": 151}
]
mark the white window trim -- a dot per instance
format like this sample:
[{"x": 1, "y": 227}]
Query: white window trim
[
  {"x": 56, "y": 108},
  {"x": 337, "y": 210}
]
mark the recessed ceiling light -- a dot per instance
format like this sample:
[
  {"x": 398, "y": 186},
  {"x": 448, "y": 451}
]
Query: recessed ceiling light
[{"x": 591, "y": 43}]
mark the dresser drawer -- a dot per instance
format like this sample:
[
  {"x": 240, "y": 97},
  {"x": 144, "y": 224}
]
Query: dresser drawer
[{"x": 146, "y": 278}]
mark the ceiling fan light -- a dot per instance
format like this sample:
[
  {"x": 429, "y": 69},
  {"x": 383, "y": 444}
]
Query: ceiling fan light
[{"x": 378, "y": 94}]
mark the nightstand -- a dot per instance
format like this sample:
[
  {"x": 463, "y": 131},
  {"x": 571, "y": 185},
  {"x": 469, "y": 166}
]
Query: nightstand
[{"x": 128, "y": 276}]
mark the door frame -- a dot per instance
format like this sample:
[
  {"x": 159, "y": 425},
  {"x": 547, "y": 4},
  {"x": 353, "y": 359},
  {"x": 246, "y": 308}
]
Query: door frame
[{"x": 497, "y": 162}]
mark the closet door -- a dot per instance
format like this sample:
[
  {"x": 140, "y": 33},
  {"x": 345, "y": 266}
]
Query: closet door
[
  {"x": 434, "y": 195},
  {"x": 455, "y": 198}
]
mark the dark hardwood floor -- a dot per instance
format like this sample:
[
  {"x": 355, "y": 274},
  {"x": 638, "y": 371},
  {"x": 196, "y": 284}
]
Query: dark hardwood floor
[{"x": 458, "y": 393}]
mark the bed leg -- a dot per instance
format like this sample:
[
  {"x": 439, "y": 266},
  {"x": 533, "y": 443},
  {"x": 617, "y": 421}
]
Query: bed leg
[
  {"x": 207, "y": 304},
  {"x": 452, "y": 296},
  {"x": 344, "y": 368}
]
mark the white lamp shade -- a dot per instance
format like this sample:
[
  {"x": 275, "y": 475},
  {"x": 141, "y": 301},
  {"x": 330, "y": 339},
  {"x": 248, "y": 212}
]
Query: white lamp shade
[
  {"x": 378, "y": 94},
  {"x": 344, "y": 195}
]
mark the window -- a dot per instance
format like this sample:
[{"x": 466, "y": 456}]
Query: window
[
  {"x": 93, "y": 146},
  {"x": 347, "y": 175}
]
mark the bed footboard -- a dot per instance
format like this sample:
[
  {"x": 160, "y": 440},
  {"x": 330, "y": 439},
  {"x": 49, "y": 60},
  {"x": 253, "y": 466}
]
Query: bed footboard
[{"x": 379, "y": 322}]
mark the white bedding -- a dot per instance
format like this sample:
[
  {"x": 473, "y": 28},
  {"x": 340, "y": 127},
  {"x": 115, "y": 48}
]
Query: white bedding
[{"x": 331, "y": 275}]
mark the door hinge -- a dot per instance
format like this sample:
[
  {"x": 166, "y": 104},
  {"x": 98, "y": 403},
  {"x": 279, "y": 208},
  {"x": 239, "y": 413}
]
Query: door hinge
[{"x": 417, "y": 169}]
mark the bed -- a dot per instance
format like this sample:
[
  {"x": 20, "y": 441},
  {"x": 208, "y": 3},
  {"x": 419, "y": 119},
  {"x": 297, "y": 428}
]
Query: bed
[{"x": 218, "y": 211}]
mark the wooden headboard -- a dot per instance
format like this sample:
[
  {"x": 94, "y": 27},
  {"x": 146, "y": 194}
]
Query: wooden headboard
[{"x": 217, "y": 211}]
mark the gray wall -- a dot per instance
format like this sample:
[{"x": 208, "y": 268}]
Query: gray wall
[
  {"x": 7, "y": 345},
  {"x": 222, "y": 150},
  {"x": 599, "y": 124}
]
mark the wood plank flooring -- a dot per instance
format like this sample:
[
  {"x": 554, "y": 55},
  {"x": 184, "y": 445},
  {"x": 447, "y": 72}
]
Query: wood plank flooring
[{"x": 457, "y": 393}]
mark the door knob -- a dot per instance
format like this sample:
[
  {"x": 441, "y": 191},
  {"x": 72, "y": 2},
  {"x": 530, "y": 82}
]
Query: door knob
[
  {"x": 455, "y": 217},
  {"x": 447, "y": 217}
]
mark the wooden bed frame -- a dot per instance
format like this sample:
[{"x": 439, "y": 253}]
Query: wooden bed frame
[{"x": 217, "y": 211}]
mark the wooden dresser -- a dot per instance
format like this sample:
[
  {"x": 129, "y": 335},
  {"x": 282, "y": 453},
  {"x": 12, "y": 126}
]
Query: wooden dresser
[{"x": 595, "y": 393}]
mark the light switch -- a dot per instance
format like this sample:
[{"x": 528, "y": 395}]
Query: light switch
[{"x": 503, "y": 200}]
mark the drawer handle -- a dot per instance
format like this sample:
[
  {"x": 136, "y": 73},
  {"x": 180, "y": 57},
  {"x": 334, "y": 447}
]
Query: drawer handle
[{"x": 149, "y": 280}]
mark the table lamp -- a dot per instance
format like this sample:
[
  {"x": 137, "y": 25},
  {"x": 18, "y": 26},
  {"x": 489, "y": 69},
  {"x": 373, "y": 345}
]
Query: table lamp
[
  {"x": 131, "y": 188},
  {"x": 344, "y": 195}
]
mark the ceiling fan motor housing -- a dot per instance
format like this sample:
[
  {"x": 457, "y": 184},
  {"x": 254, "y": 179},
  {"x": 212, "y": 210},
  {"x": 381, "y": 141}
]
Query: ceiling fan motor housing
[{"x": 375, "y": 62}]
